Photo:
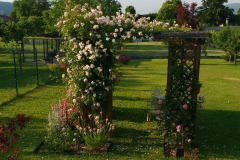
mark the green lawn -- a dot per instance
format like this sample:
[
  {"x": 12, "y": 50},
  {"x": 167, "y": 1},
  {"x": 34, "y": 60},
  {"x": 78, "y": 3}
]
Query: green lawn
[
  {"x": 157, "y": 49},
  {"x": 218, "y": 122},
  {"x": 25, "y": 80}
]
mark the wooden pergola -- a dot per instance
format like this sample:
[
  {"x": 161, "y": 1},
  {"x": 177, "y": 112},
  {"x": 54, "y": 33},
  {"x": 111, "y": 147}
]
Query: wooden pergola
[{"x": 190, "y": 59}]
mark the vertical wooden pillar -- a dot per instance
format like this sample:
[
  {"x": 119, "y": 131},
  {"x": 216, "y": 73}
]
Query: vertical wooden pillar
[
  {"x": 169, "y": 76},
  {"x": 44, "y": 50},
  {"x": 196, "y": 68},
  {"x": 109, "y": 106},
  {"x": 86, "y": 110},
  {"x": 47, "y": 45}
]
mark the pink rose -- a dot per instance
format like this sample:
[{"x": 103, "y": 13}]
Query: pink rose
[
  {"x": 160, "y": 101},
  {"x": 157, "y": 111},
  {"x": 74, "y": 110},
  {"x": 178, "y": 128},
  {"x": 185, "y": 106}
]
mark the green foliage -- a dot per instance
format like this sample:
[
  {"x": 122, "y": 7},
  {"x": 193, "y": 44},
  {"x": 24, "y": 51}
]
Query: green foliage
[
  {"x": 109, "y": 7},
  {"x": 60, "y": 136},
  {"x": 151, "y": 15},
  {"x": 130, "y": 9},
  {"x": 50, "y": 17},
  {"x": 167, "y": 11},
  {"x": 4, "y": 32},
  {"x": 35, "y": 26},
  {"x": 95, "y": 140},
  {"x": 27, "y": 8},
  {"x": 96, "y": 132},
  {"x": 180, "y": 108},
  {"x": 228, "y": 40},
  {"x": 9, "y": 135},
  {"x": 214, "y": 13}
]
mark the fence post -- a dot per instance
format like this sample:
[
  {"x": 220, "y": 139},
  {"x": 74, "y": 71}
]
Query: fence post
[
  {"x": 22, "y": 48},
  {"x": 36, "y": 60},
  {"x": 44, "y": 51},
  {"x": 15, "y": 71}
]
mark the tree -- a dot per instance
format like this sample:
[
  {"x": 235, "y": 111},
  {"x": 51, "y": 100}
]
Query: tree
[
  {"x": 130, "y": 9},
  {"x": 238, "y": 11},
  {"x": 35, "y": 25},
  {"x": 27, "y": 8},
  {"x": 50, "y": 17},
  {"x": 213, "y": 12},
  {"x": 186, "y": 15},
  {"x": 2, "y": 31},
  {"x": 228, "y": 40},
  {"x": 167, "y": 11},
  {"x": 152, "y": 16},
  {"x": 109, "y": 7}
]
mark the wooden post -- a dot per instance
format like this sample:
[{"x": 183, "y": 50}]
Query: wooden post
[
  {"x": 109, "y": 106},
  {"x": 44, "y": 51}
]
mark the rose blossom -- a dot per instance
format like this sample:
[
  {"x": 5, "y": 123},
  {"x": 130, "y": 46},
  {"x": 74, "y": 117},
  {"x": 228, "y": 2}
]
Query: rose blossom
[
  {"x": 185, "y": 106},
  {"x": 160, "y": 101},
  {"x": 178, "y": 128}
]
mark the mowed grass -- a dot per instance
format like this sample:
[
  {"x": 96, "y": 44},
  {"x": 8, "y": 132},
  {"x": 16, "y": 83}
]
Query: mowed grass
[
  {"x": 25, "y": 79},
  {"x": 217, "y": 131},
  {"x": 158, "y": 49}
]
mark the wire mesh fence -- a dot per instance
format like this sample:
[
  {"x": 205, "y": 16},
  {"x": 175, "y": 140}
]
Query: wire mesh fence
[{"x": 24, "y": 68}]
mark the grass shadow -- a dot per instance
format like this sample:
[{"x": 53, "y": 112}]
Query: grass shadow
[
  {"x": 136, "y": 115},
  {"x": 218, "y": 133}
]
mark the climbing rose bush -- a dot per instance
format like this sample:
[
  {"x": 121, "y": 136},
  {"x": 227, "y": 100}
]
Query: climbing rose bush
[{"x": 93, "y": 44}]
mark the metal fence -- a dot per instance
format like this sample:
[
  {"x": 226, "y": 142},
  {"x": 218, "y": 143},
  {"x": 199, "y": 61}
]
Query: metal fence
[{"x": 24, "y": 68}]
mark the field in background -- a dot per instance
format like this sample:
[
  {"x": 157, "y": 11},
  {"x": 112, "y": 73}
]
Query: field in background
[{"x": 156, "y": 49}]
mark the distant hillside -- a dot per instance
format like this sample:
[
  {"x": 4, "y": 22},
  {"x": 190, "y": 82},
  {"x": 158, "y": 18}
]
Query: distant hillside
[
  {"x": 234, "y": 6},
  {"x": 6, "y": 8}
]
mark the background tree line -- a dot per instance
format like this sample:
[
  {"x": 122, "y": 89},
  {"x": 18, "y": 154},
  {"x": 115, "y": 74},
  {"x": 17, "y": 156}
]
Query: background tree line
[{"x": 34, "y": 17}]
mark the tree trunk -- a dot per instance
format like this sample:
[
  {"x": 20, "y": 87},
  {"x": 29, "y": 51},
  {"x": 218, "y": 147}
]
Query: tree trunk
[
  {"x": 22, "y": 49},
  {"x": 235, "y": 57}
]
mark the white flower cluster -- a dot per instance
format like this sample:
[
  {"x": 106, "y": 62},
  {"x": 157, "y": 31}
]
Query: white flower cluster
[{"x": 93, "y": 42}]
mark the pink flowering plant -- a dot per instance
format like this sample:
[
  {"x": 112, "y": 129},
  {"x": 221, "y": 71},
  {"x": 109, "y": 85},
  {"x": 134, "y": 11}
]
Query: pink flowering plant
[
  {"x": 92, "y": 44},
  {"x": 178, "y": 120}
]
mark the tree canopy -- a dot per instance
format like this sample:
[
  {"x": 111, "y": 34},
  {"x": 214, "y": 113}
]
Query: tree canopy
[
  {"x": 186, "y": 15},
  {"x": 167, "y": 12},
  {"x": 228, "y": 40},
  {"x": 213, "y": 12},
  {"x": 130, "y": 9},
  {"x": 27, "y": 8}
]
